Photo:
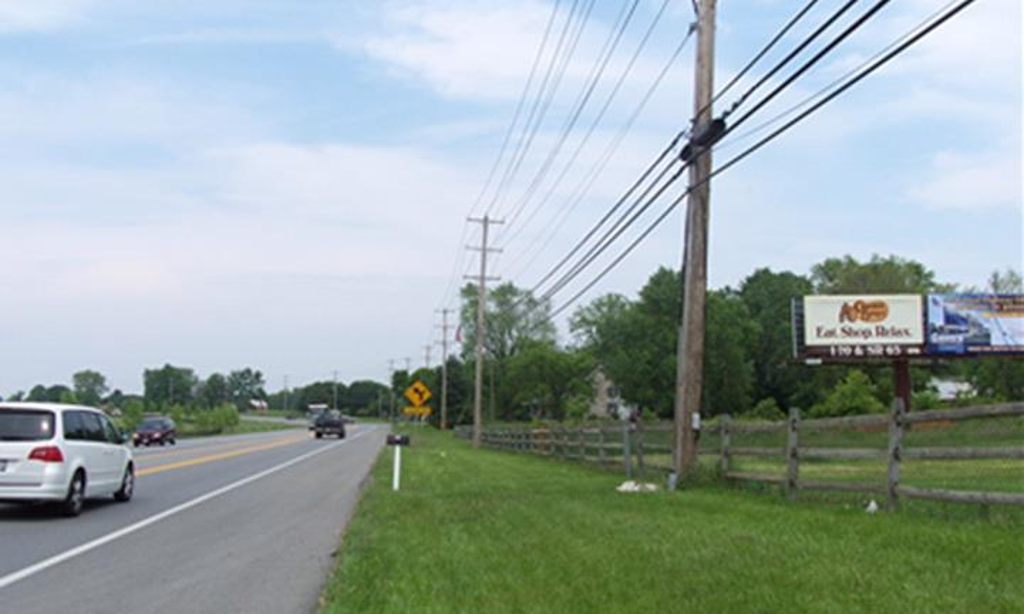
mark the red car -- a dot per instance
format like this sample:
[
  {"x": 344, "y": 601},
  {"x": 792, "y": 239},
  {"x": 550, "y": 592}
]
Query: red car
[{"x": 153, "y": 431}]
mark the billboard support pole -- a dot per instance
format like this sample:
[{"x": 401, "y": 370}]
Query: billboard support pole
[{"x": 901, "y": 382}]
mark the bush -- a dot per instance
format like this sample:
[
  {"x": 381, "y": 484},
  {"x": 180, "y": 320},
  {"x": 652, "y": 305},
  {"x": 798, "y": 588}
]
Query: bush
[
  {"x": 854, "y": 395},
  {"x": 926, "y": 399},
  {"x": 131, "y": 413},
  {"x": 766, "y": 409}
]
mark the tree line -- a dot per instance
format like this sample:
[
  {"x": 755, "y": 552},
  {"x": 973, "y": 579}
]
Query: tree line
[
  {"x": 748, "y": 368},
  {"x": 174, "y": 389}
]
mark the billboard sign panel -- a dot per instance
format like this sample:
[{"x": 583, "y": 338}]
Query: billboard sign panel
[
  {"x": 862, "y": 326},
  {"x": 975, "y": 324}
]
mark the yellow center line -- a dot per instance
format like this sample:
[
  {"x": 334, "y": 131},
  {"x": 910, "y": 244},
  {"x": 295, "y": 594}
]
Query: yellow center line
[
  {"x": 183, "y": 451},
  {"x": 209, "y": 458}
]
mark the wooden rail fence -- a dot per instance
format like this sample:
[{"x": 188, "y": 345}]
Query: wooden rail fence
[{"x": 638, "y": 447}]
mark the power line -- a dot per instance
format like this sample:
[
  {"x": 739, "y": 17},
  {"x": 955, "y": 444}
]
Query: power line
[
  {"x": 856, "y": 25},
  {"x": 874, "y": 66},
  {"x": 792, "y": 54},
  {"x": 519, "y": 108},
  {"x": 545, "y": 95},
  {"x": 831, "y": 85},
  {"x": 611, "y": 211},
  {"x": 627, "y": 219},
  {"x": 599, "y": 247},
  {"x": 583, "y": 188},
  {"x": 764, "y": 50},
  {"x": 460, "y": 253},
  {"x": 597, "y": 120},
  {"x": 610, "y": 236},
  {"x": 611, "y": 44}
]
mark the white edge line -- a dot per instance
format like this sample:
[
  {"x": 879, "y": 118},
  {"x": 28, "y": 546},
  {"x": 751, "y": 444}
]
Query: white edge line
[{"x": 43, "y": 565}]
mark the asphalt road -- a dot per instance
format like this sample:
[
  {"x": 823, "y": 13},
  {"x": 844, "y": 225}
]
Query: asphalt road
[{"x": 243, "y": 523}]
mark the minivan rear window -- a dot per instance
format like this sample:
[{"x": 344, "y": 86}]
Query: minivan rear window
[{"x": 25, "y": 425}]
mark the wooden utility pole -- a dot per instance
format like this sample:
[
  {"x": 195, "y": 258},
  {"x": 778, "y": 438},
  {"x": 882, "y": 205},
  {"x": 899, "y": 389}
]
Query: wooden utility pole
[
  {"x": 391, "y": 390},
  {"x": 690, "y": 348},
  {"x": 444, "y": 367},
  {"x": 481, "y": 301}
]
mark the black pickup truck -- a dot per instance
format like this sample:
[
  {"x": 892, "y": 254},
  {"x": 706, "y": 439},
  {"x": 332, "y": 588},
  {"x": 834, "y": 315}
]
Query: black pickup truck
[{"x": 329, "y": 423}]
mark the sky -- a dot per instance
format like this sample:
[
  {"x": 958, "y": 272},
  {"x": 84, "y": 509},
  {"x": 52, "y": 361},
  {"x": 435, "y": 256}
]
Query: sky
[{"x": 284, "y": 185}]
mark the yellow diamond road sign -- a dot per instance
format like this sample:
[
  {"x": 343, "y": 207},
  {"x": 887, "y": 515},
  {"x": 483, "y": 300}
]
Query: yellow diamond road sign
[{"x": 418, "y": 393}]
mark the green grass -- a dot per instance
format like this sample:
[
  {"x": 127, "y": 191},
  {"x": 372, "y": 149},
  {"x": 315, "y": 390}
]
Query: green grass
[
  {"x": 500, "y": 532},
  {"x": 188, "y": 429},
  {"x": 255, "y": 426}
]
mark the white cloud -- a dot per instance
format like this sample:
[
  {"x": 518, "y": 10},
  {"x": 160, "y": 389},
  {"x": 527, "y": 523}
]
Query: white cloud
[
  {"x": 109, "y": 105},
  {"x": 40, "y": 15},
  {"x": 972, "y": 181},
  {"x": 483, "y": 50},
  {"x": 473, "y": 50}
]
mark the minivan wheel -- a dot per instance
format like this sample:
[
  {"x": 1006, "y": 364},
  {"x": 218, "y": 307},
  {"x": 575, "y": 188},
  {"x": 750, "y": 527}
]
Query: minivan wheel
[
  {"x": 127, "y": 486},
  {"x": 75, "y": 500}
]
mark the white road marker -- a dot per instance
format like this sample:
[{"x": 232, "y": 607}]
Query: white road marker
[{"x": 32, "y": 570}]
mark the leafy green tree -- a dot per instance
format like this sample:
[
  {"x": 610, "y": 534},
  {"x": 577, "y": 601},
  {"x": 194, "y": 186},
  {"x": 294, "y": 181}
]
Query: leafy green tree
[
  {"x": 214, "y": 391},
  {"x": 854, "y": 395},
  {"x": 37, "y": 394},
  {"x": 592, "y": 325},
  {"x": 246, "y": 385},
  {"x": 545, "y": 379},
  {"x": 59, "y": 393},
  {"x": 635, "y": 343},
  {"x": 169, "y": 385},
  {"x": 317, "y": 393},
  {"x": 362, "y": 397},
  {"x": 132, "y": 411},
  {"x": 400, "y": 380},
  {"x": 728, "y": 367},
  {"x": 90, "y": 386},
  {"x": 513, "y": 316},
  {"x": 1008, "y": 282},
  {"x": 768, "y": 296},
  {"x": 887, "y": 275},
  {"x": 115, "y": 398}
]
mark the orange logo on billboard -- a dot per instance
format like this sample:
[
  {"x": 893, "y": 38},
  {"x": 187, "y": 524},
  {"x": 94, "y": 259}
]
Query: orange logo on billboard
[{"x": 864, "y": 311}]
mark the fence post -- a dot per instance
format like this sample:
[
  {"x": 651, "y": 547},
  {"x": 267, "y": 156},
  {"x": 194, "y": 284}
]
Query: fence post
[
  {"x": 582, "y": 444},
  {"x": 792, "y": 453},
  {"x": 639, "y": 447},
  {"x": 601, "y": 454},
  {"x": 724, "y": 427},
  {"x": 627, "y": 460},
  {"x": 895, "y": 452},
  {"x": 563, "y": 443}
]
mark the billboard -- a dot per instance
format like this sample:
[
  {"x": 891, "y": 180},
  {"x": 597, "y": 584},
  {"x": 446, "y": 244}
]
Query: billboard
[
  {"x": 847, "y": 327},
  {"x": 975, "y": 324}
]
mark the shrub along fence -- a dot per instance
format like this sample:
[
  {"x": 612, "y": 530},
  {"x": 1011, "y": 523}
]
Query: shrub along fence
[{"x": 648, "y": 447}]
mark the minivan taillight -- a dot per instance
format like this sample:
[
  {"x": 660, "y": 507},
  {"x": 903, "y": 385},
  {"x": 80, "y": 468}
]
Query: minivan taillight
[{"x": 47, "y": 454}]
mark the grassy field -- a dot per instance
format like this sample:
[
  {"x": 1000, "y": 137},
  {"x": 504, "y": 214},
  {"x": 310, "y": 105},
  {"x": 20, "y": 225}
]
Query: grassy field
[{"x": 499, "y": 532}]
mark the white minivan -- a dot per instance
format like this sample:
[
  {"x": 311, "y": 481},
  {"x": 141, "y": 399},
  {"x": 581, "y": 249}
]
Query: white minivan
[{"x": 51, "y": 452}]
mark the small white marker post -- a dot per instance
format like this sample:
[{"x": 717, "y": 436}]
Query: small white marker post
[
  {"x": 397, "y": 472},
  {"x": 396, "y": 442}
]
